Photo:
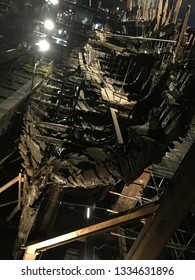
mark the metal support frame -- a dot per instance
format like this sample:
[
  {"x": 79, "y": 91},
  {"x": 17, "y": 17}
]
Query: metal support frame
[
  {"x": 122, "y": 218},
  {"x": 142, "y": 38},
  {"x": 181, "y": 243},
  {"x": 174, "y": 207},
  {"x": 136, "y": 198}
]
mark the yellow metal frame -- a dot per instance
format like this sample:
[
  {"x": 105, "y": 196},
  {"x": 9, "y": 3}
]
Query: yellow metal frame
[{"x": 44, "y": 68}]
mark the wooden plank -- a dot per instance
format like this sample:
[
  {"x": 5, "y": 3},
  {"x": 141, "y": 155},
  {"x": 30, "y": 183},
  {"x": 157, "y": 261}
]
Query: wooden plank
[
  {"x": 110, "y": 94},
  {"x": 104, "y": 95},
  {"x": 132, "y": 192},
  {"x": 32, "y": 250},
  {"x": 88, "y": 76},
  {"x": 96, "y": 79},
  {"x": 9, "y": 184},
  {"x": 110, "y": 86},
  {"x": 116, "y": 127}
]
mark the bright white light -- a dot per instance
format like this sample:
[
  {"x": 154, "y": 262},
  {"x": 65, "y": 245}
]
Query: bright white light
[
  {"x": 43, "y": 45},
  {"x": 49, "y": 25},
  {"x": 57, "y": 40},
  {"x": 60, "y": 31},
  {"x": 54, "y": 2},
  {"x": 88, "y": 212}
]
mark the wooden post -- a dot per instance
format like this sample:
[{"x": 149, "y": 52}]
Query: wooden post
[
  {"x": 129, "y": 5},
  {"x": 165, "y": 12},
  {"x": 145, "y": 10},
  {"x": 183, "y": 30},
  {"x": 176, "y": 11},
  {"x": 9, "y": 184},
  {"x": 159, "y": 14}
]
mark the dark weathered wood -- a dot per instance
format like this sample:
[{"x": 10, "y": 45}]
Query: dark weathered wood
[{"x": 130, "y": 194}]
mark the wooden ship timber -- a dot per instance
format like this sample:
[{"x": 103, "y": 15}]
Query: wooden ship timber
[{"x": 113, "y": 109}]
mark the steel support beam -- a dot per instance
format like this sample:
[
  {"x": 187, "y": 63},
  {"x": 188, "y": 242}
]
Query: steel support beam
[
  {"x": 174, "y": 207},
  {"x": 142, "y": 38},
  {"x": 123, "y": 218}
]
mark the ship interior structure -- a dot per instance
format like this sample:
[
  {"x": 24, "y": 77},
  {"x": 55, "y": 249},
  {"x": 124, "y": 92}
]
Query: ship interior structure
[{"x": 97, "y": 152}]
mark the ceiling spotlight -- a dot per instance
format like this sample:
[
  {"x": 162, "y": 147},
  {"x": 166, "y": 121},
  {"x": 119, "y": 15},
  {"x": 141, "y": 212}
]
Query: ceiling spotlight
[
  {"x": 54, "y": 2},
  {"x": 49, "y": 25},
  {"x": 88, "y": 212},
  {"x": 43, "y": 45}
]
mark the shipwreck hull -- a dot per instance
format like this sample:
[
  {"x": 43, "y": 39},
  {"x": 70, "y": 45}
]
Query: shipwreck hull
[{"x": 113, "y": 109}]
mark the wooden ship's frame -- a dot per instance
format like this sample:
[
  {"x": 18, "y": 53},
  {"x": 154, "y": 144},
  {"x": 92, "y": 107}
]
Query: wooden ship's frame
[{"x": 114, "y": 109}]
